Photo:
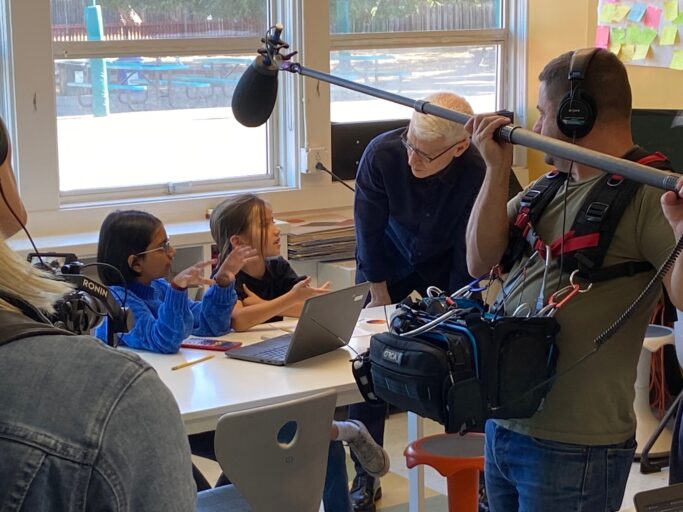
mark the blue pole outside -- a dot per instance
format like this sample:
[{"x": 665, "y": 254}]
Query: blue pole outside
[{"x": 98, "y": 67}]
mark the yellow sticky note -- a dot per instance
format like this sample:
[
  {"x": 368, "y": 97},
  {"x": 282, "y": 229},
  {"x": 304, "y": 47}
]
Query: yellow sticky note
[
  {"x": 607, "y": 13},
  {"x": 667, "y": 36},
  {"x": 670, "y": 10},
  {"x": 620, "y": 12},
  {"x": 677, "y": 60},
  {"x": 641, "y": 51},
  {"x": 627, "y": 52},
  {"x": 615, "y": 48}
]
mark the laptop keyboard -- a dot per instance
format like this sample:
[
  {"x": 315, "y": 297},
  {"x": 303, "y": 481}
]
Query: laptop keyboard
[{"x": 276, "y": 353}]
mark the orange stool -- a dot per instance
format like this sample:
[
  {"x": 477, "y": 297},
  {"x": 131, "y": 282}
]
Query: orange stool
[{"x": 459, "y": 459}]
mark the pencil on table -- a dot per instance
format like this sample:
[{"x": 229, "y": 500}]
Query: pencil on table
[{"x": 189, "y": 363}]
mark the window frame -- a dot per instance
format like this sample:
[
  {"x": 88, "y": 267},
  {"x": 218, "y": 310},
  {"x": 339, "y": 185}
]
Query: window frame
[
  {"x": 302, "y": 113},
  {"x": 511, "y": 65}
]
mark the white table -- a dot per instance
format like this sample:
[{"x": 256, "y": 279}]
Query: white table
[{"x": 207, "y": 390}]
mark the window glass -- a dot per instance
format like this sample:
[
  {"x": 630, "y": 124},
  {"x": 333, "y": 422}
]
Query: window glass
[
  {"x": 75, "y": 20},
  {"x": 356, "y": 16},
  {"x": 470, "y": 71},
  {"x": 139, "y": 121}
]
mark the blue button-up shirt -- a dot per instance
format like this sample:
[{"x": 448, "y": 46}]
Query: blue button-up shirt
[{"x": 407, "y": 225}]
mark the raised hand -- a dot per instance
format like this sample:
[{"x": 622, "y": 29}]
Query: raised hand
[
  {"x": 193, "y": 276},
  {"x": 236, "y": 259},
  {"x": 303, "y": 289}
]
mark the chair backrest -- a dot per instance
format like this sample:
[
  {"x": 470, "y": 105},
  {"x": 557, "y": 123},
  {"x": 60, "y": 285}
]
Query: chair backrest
[{"x": 270, "y": 472}]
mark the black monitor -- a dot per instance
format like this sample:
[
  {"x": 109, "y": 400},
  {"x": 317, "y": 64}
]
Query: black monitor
[
  {"x": 660, "y": 130},
  {"x": 350, "y": 139}
]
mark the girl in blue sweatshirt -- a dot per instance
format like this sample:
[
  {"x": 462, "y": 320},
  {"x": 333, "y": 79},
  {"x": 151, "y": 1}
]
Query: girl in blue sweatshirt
[{"x": 136, "y": 244}]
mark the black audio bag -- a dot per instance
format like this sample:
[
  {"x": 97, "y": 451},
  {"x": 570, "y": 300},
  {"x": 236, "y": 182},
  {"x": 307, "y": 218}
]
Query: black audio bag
[{"x": 466, "y": 370}]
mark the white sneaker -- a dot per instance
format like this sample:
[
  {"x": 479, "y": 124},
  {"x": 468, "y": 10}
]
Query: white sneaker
[{"x": 370, "y": 455}]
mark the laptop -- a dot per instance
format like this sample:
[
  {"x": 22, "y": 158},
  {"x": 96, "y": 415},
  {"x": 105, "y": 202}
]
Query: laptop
[
  {"x": 664, "y": 499},
  {"x": 326, "y": 323}
]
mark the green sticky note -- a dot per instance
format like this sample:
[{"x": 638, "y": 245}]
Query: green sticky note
[
  {"x": 679, "y": 19},
  {"x": 617, "y": 35},
  {"x": 641, "y": 51},
  {"x": 668, "y": 34},
  {"x": 632, "y": 34},
  {"x": 677, "y": 60},
  {"x": 627, "y": 52},
  {"x": 670, "y": 10},
  {"x": 646, "y": 36},
  {"x": 620, "y": 12},
  {"x": 607, "y": 13}
]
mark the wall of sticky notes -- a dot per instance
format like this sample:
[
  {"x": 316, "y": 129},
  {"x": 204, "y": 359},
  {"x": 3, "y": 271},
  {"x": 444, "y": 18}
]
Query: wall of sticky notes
[{"x": 642, "y": 32}]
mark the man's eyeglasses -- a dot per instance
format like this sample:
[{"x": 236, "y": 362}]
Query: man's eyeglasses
[
  {"x": 166, "y": 246},
  {"x": 424, "y": 156}
]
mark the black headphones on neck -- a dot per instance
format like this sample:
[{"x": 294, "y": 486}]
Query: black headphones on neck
[{"x": 577, "y": 111}]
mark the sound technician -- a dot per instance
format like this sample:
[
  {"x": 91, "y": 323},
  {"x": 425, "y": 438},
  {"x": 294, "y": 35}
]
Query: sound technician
[
  {"x": 82, "y": 426},
  {"x": 576, "y": 452}
]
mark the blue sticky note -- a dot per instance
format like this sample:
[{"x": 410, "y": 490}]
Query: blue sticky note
[{"x": 637, "y": 12}]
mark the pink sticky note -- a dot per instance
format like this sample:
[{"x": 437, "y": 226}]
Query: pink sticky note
[
  {"x": 602, "y": 36},
  {"x": 652, "y": 16}
]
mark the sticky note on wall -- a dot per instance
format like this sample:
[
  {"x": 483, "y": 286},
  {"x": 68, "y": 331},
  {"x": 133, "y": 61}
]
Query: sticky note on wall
[
  {"x": 667, "y": 36},
  {"x": 620, "y": 12},
  {"x": 652, "y": 16},
  {"x": 607, "y": 13},
  {"x": 637, "y": 12},
  {"x": 677, "y": 60},
  {"x": 670, "y": 10},
  {"x": 602, "y": 36},
  {"x": 641, "y": 51}
]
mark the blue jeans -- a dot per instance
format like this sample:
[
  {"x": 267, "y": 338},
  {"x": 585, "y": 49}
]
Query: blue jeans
[
  {"x": 527, "y": 474},
  {"x": 336, "y": 492}
]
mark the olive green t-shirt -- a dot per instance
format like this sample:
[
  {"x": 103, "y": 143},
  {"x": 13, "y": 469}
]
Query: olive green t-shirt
[{"x": 593, "y": 404}]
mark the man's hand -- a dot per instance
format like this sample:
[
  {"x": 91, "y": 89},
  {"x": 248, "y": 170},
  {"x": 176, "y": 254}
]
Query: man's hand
[
  {"x": 497, "y": 155},
  {"x": 672, "y": 206},
  {"x": 236, "y": 259},
  {"x": 379, "y": 294}
]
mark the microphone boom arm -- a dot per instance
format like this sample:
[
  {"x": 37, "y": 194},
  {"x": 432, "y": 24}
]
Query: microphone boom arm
[{"x": 511, "y": 133}]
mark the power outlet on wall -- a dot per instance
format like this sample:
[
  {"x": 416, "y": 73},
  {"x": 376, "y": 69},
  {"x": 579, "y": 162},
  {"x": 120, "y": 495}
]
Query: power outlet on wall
[{"x": 310, "y": 157}]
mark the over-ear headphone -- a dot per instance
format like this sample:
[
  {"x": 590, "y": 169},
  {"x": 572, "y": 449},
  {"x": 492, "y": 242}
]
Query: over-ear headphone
[{"x": 577, "y": 111}]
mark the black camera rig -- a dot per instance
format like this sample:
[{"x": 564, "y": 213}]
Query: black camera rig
[{"x": 88, "y": 304}]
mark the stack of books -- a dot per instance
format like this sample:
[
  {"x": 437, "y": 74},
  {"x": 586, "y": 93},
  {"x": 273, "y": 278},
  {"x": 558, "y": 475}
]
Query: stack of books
[{"x": 323, "y": 238}]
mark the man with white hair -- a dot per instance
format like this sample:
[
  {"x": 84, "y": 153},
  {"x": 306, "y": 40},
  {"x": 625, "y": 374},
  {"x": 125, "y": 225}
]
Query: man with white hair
[{"x": 415, "y": 189}]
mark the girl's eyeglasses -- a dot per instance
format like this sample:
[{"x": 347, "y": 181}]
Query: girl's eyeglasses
[
  {"x": 424, "y": 156},
  {"x": 166, "y": 246}
]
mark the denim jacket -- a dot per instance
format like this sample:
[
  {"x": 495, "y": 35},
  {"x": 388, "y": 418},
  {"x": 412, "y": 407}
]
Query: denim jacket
[{"x": 84, "y": 427}]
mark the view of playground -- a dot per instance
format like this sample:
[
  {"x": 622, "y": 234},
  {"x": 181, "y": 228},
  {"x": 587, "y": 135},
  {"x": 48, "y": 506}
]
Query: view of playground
[{"x": 135, "y": 121}]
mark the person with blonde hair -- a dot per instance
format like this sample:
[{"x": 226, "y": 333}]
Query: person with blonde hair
[
  {"x": 415, "y": 188},
  {"x": 82, "y": 426}
]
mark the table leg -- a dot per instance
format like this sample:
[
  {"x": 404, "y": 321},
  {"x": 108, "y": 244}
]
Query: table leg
[{"x": 416, "y": 480}]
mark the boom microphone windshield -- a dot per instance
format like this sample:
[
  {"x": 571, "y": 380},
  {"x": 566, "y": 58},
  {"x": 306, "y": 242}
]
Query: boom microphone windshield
[{"x": 255, "y": 94}]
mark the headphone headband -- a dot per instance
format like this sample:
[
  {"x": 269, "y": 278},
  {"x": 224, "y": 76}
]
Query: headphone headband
[
  {"x": 577, "y": 112},
  {"x": 578, "y": 66}
]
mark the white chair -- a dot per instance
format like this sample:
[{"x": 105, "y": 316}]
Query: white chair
[
  {"x": 655, "y": 438},
  {"x": 270, "y": 473}
]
